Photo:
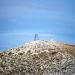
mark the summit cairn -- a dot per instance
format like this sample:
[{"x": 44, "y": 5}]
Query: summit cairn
[
  {"x": 36, "y": 37},
  {"x": 40, "y": 57}
]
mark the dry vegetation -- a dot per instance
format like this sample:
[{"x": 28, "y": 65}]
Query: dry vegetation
[{"x": 70, "y": 49}]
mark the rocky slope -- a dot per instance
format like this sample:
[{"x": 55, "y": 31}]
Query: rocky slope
[{"x": 39, "y": 58}]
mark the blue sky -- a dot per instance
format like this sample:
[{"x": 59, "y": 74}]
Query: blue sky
[{"x": 51, "y": 19}]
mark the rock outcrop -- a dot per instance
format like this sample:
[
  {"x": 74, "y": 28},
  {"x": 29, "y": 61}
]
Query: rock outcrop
[{"x": 38, "y": 58}]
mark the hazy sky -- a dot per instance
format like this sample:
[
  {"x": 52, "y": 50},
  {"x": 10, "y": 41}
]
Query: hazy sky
[{"x": 51, "y": 19}]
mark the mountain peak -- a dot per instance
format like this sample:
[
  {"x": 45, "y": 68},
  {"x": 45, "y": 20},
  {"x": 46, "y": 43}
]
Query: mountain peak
[{"x": 40, "y": 57}]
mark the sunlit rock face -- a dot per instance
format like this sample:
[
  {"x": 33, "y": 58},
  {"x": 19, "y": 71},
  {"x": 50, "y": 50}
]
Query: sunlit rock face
[{"x": 38, "y": 58}]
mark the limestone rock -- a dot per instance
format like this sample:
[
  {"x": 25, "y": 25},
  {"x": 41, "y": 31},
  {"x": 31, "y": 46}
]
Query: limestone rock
[{"x": 38, "y": 58}]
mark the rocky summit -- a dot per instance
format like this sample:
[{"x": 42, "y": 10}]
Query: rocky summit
[{"x": 39, "y": 57}]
